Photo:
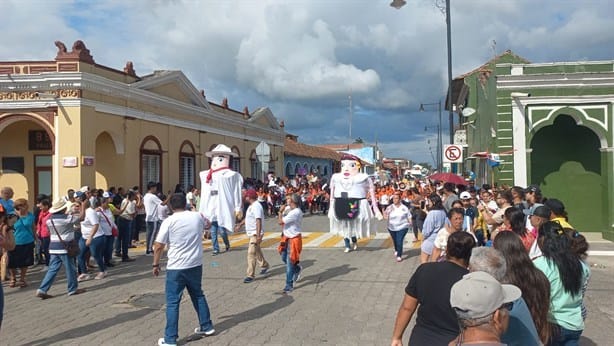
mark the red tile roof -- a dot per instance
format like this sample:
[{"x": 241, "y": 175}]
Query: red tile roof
[
  {"x": 292, "y": 147},
  {"x": 489, "y": 62}
]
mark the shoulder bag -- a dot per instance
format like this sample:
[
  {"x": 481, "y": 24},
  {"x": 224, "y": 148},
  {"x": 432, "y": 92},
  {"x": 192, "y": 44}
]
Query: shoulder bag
[
  {"x": 114, "y": 230},
  {"x": 72, "y": 247}
]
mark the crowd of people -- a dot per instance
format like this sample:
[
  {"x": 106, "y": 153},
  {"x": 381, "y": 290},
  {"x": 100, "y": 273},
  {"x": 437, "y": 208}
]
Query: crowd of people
[{"x": 521, "y": 239}]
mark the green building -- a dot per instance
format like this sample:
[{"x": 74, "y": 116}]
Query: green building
[{"x": 551, "y": 124}]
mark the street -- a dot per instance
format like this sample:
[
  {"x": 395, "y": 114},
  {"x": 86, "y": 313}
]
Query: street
[{"x": 342, "y": 299}]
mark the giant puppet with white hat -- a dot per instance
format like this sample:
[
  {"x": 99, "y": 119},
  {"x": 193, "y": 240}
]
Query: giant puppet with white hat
[
  {"x": 350, "y": 212},
  {"x": 220, "y": 199}
]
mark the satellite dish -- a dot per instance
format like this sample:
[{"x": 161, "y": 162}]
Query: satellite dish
[{"x": 468, "y": 111}]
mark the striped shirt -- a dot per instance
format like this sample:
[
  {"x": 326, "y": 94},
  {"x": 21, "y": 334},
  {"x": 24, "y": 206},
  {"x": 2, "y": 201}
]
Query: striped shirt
[{"x": 64, "y": 225}]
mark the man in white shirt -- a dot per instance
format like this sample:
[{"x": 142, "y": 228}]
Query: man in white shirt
[
  {"x": 182, "y": 232},
  {"x": 152, "y": 223},
  {"x": 255, "y": 232}
]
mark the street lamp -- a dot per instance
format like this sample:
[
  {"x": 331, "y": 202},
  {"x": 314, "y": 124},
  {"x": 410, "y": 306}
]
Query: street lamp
[
  {"x": 439, "y": 134},
  {"x": 400, "y": 3}
]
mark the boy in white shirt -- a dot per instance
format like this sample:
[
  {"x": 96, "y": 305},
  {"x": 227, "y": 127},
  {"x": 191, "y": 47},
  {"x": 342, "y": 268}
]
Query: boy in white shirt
[{"x": 255, "y": 231}]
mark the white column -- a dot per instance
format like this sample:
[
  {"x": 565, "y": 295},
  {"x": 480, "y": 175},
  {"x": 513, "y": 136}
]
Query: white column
[{"x": 519, "y": 143}]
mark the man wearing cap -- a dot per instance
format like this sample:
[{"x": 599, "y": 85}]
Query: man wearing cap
[
  {"x": 221, "y": 200},
  {"x": 482, "y": 305},
  {"x": 538, "y": 215},
  {"x": 254, "y": 217}
]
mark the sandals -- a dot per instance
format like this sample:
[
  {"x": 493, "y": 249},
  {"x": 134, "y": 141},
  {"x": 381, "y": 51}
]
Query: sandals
[
  {"x": 22, "y": 284},
  {"x": 12, "y": 283}
]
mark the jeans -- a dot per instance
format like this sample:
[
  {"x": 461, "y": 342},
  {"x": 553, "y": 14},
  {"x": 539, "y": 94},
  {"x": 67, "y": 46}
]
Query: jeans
[
  {"x": 108, "y": 248},
  {"x": 123, "y": 241},
  {"x": 176, "y": 281},
  {"x": 397, "y": 240},
  {"x": 152, "y": 230},
  {"x": 84, "y": 249},
  {"x": 55, "y": 262},
  {"x": 44, "y": 249},
  {"x": 564, "y": 337},
  {"x": 97, "y": 247},
  {"x": 215, "y": 229},
  {"x": 346, "y": 241},
  {"x": 291, "y": 268}
]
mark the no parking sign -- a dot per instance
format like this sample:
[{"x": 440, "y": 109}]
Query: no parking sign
[{"x": 452, "y": 153}]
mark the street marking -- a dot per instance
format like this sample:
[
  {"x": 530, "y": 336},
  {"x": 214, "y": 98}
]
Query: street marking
[
  {"x": 601, "y": 253},
  {"x": 317, "y": 240}
]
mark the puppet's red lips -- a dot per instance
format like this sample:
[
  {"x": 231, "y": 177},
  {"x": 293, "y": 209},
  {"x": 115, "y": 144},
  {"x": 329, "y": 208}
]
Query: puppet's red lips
[{"x": 346, "y": 174}]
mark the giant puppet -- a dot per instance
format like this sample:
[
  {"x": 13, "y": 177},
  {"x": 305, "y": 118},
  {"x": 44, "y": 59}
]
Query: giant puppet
[
  {"x": 350, "y": 212},
  {"x": 220, "y": 199}
]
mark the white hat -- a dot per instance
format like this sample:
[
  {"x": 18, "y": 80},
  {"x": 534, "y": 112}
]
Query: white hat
[
  {"x": 84, "y": 188},
  {"x": 478, "y": 295},
  {"x": 106, "y": 194},
  {"x": 465, "y": 195},
  {"x": 220, "y": 149},
  {"x": 58, "y": 205}
]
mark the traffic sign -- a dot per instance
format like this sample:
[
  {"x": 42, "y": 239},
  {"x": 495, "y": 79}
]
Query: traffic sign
[{"x": 453, "y": 153}]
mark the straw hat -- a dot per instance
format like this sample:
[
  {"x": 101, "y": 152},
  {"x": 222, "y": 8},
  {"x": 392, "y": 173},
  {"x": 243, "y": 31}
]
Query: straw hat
[
  {"x": 58, "y": 205},
  {"x": 220, "y": 149}
]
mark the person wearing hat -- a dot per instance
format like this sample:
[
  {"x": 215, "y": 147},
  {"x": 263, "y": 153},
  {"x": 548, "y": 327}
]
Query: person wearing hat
[
  {"x": 254, "y": 228},
  {"x": 482, "y": 306},
  {"x": 350, "y": 212},
  {"x": 558, "y": 213},
  {"x": 60, "y": 225},
  {"x": 538, "y": 215},
  {"x": 221, "y": 200}
]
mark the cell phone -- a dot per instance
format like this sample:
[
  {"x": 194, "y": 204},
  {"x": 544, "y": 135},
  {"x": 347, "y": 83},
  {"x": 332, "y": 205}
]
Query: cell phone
[{"x": 422, "y": 204}]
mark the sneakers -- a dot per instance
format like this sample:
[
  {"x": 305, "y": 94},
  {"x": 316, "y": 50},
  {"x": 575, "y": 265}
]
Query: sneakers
[
  {"x": 347, "y": 249},
  {"x": 264, "y": 271},
  {"x": 215, "y": 253},
  {"x": 83, "y": 277},
  {"x": 42, "y": 295},
  {"x": 100, "y": 276},
  {"x": 297, "y": 274},
  {"x": 117, "y": 254},
  {"x": 248, "y": 280},
  {"x": 399, "y": 259},
  {"x": 77, "y": 291},
  {"x": 127, "y": 259},
  {"x": 287, "y": 289},
  {"x": 209, "y": 332},
  {"x": 355, "y": 246},
  {"x": 161, "y": 342}
]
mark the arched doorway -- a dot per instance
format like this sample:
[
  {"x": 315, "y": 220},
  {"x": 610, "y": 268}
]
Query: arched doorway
[
  {"x": 566, "y": 163},
  {"x": 108, "y": 165},
  {"x": 26, "y": 159}
]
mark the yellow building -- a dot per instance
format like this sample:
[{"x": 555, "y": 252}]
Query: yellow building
[{"x": 70, "y": 122}]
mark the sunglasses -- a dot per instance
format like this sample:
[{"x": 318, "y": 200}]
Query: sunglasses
[{"x": 507, "y": 306}]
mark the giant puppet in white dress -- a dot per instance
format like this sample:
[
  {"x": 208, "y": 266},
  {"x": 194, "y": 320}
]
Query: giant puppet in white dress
[
  {"x": 350, "y": 212},
  {"x": 220, "y": 199}
]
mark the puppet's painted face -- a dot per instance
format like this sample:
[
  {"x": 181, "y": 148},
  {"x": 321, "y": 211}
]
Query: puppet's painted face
[
  {"x": 220, "y": 161},
  {"x": 349, "y": 168}
]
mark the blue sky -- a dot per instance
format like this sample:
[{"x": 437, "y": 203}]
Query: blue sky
[{"x": 303, "y": 58}]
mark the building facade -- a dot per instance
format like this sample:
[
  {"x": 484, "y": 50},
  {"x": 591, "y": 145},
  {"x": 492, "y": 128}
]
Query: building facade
[
  {"x": 300, "y": 159},
  {"x": 548, "y": 124},
  {"x": 70, "y": 122}
]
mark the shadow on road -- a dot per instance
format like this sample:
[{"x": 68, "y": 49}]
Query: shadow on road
[
  {"x": 584, "y": 341},
  {"x": 230, "y": 321},
  {"x": 328, "y": 274}
]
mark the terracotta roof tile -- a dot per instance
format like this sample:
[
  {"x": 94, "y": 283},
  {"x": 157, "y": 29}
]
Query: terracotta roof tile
[{"x": 292, "y": 147}]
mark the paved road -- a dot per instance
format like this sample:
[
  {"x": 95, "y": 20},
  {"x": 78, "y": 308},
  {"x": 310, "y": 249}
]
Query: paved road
[{"x": 343, "y": 299}]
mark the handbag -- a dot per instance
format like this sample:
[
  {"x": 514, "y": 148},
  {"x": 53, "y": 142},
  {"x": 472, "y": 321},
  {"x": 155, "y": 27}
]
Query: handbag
[
  {"x": 71, "y": 247},
  {"x": 114, "y": 230}
]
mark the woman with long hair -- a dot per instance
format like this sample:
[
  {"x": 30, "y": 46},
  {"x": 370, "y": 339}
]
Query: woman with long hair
[
  {"x": 513, "y": 219},
  {"x": 23, "y": 255},
  {"x": 532, "y": 282},
  {"x": 567, "y": 275},
  {"x": 434, "y": 221}
]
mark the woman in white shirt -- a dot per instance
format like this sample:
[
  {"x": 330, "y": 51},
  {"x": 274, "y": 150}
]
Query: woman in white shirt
[
  {"x": 291, "y": 218},
  {"x": 399, "y": 221},
  {"x": 94, "y": 239}
]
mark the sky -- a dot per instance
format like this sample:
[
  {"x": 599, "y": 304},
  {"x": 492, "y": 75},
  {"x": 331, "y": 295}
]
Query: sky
[{"x": 304, "y": 58}]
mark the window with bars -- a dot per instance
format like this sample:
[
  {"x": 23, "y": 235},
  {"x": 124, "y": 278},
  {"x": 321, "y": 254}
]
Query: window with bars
[
  {"x": 151, "y": 169},
  {"x": 186, "y": 171}
]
